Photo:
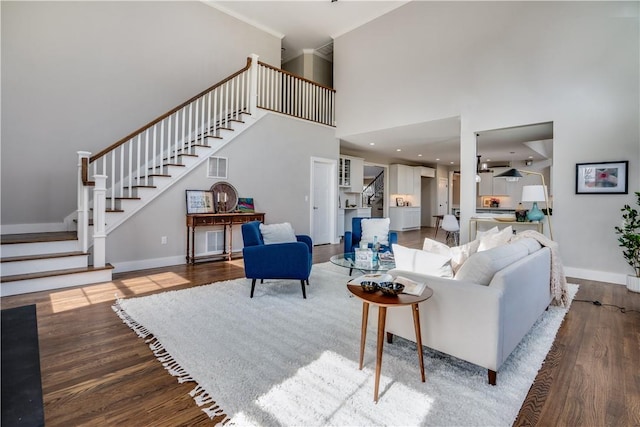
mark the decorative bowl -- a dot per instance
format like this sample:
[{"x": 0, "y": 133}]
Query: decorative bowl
[
  {"x": 391, "y": 288},
  {"x": 368, "y": 286}
]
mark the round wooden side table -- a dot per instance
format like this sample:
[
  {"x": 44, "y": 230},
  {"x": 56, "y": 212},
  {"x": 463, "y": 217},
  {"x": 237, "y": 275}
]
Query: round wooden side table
[{"x": 382, "y": 302}]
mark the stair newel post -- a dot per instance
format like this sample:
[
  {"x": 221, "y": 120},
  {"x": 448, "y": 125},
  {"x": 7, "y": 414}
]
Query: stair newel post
[
  {"x": 83, "y": 200},
  {"x": 99, "y": 218},
  {"x": 253, "y": 85}
]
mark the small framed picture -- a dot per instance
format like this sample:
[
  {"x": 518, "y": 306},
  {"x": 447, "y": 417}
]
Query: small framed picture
[
  {"x": 245, "y": 204},
  {"x": 199, "y": 201},
  {"x": 602, "y": 178},
  {"x": 486, "y": 202},
  {"x": 399, "y": 201}
]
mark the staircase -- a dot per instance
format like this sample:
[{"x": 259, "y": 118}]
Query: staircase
[
  {"x": 122, "y": 179},
  {"x": 39, "y": 261},
  {"x": 373, "y": 195}
]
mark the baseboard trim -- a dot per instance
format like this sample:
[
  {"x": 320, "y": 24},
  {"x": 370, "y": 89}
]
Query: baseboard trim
[
  {"x": 598, "y": 276},
  {"x": 144, "y": 264}
]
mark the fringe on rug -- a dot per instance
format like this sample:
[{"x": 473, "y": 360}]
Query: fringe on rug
[{"x": 199, "y": 394}]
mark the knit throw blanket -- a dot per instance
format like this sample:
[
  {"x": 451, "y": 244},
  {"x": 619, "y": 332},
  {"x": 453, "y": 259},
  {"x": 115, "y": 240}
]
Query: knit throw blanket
[{"x": 558, "y": 279}]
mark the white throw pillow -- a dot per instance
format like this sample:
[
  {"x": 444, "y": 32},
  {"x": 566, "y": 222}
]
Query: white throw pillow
[
  {"x": 375, "y": 227},
  {"x": 436, "y": 247},
  {"x": 422, "y": 262},
  {"x": 459, "y": 254},
  {"x": 496, "y": 239},
  {"x": 277, "y": 233},
  {"x": 481, "y": 234}
]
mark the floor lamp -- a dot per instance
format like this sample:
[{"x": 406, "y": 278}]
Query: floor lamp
[{"x": 516, "y": 174}]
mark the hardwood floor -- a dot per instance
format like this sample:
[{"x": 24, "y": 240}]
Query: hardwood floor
[{"x": 95, "y": 371}]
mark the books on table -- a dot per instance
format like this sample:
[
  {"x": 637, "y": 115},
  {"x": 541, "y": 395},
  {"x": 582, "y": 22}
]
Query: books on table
[{"x": 411, "y": 287}]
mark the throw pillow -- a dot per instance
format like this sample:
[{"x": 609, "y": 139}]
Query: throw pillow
[
  {"x": 277, "y": 233},
  {"x": 481, "y": 234},
  {"x": 481, "y": 266},
  {"x": 422, "y": 262},
  {"x": 459, "y": 254},
  {"x": 436, "y": 247},
  {"x": 496, "y": 239},
  {"x": 375, "y": 227}
]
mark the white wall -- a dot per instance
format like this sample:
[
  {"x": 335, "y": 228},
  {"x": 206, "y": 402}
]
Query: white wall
[
  {"x": 269, "y": 161},
  {"x": 82, "y": 75},
  {"x": 502, "y": 64}
]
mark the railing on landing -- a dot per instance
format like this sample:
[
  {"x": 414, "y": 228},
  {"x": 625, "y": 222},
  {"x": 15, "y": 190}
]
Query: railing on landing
[
  {"x": 132, "y": 162},
  {"x": 286, "y": 93},
  {"x": 375, "y": 187}
]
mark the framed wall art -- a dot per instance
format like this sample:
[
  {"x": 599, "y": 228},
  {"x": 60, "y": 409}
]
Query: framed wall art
[
  {"x": 602, "y": 178},
  {"x": 199, "y": 201},
  {"x": 245, "y": 204}
]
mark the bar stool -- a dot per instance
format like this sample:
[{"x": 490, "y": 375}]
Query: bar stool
[{"x": 451, "y": 226}]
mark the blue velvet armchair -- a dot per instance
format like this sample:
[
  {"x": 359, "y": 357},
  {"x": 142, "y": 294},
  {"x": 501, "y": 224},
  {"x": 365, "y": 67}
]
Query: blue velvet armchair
[
  {"x": 352, "y": 238},
  {"x": 275, "y": 261}
]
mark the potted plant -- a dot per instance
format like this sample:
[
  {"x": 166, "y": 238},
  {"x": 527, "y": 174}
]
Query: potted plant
[{"x": 629, "y": 239}]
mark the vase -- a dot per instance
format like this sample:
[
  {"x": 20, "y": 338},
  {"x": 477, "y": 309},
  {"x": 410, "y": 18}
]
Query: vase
[
  {"x": 633, "y": 283},
  {"x": 535, "y": 214}
]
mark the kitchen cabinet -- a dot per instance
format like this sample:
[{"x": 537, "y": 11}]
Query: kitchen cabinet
[
  {"x": 404, "y": 218},
  {"x": 401, "y": 179},
  {"x": 351, "y": 174},
  {"x": 344, "y": 172},
  {"x": 490, "y": 186},
  {"x": 485, "y": 186}
]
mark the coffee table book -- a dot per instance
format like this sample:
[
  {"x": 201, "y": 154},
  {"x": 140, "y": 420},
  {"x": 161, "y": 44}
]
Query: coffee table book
[{"x": 411, "y": 287}]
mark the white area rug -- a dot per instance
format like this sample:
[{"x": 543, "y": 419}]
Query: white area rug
[{"x": 278, "y": 359}]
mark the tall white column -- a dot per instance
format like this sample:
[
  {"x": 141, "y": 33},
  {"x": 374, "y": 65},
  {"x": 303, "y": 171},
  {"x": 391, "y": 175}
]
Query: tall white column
[
  {"x": 99, "y": 218},
  {"x": 83, "y": 204}
]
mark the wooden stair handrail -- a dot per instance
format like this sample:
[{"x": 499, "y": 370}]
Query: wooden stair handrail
[
  {"x": 164, "y": 116},
  {"x": 295, "y": 76}
]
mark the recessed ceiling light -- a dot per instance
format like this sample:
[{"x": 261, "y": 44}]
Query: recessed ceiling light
[
  {"x": 437, "y": 160},
  {"x": 397, "y": 149},
  {"x": 372, "y": 143},
  {"x": 451, "y": 162},
  {"x": 419, "y": 155},
  {"x": 531, "y": 157}
]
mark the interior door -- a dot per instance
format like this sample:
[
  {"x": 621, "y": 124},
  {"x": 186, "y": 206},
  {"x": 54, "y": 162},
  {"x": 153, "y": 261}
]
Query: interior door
[
  {"x": 443, "y": 196},
  {"x": 322, "y": 207}
]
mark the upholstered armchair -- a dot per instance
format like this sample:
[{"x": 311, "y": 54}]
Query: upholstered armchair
[
  {"x": 271, "y": 260},
  {"x": 375, "y": 226}
]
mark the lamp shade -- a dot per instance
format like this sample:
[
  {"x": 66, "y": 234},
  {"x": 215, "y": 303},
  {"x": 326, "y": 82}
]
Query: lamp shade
[
  {"x": 511, "y": 173},
  {"x": 533, "y": 193}
]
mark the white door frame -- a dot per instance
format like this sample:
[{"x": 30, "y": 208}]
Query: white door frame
[{"x": 333, "y": 195}]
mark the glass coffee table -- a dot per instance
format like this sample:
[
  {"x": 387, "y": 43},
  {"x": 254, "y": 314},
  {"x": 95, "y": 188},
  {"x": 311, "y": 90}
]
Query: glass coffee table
[{"x": 348, "y": 260}]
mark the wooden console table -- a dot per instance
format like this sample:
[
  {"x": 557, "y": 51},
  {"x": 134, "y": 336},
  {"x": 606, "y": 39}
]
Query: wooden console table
[
  {"x": 473, "y": 225},
  {"x": 208, "y": 220}
]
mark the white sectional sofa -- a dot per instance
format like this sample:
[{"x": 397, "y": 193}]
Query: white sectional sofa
[{"x": 483, "y": 312}]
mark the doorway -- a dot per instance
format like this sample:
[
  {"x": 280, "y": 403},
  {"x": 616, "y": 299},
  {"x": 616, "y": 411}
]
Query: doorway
[{"x": 323, "y": 200}]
